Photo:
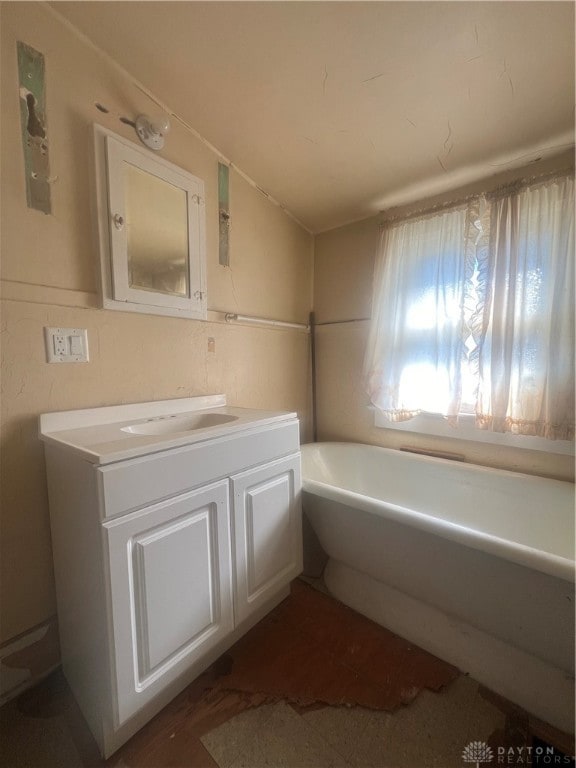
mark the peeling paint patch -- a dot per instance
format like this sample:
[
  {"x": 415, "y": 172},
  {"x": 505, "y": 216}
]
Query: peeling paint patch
[
  {"x": 28, "y": 658},
  {"x": 33, "y": 124},
  {"x": 448, "y": 143},
  {"x": 374, "y": 77},
  {"x": 441, "y": 164},
  {"x": 34, "y": 127},
  {"x": 506, "y": 72},
  {"x": 324, "y": 79},
  {"x": 263, "y": 191}
]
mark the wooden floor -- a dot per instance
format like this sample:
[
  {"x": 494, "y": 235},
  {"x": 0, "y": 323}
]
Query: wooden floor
[{"x": 311, "y": 654}]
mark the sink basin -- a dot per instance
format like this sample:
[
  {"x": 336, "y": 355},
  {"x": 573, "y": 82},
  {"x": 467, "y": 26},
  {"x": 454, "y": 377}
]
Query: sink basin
[{"x": 165, "y": 425}]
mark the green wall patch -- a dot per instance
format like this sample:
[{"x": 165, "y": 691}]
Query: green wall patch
[
  {"x": 223, "y": 214},
  {"x": 33, "y": 122}
]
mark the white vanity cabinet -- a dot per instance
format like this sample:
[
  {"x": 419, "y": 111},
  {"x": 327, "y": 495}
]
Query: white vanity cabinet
[{"x": 166, "y": 550}]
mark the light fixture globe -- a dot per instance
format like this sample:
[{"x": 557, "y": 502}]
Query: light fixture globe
[{"x": 151, "y": 132}]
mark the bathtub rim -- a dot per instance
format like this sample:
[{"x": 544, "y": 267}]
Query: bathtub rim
[{"x": 521, "y": 554}]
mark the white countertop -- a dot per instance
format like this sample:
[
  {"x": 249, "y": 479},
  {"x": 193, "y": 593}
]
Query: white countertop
[{"x": 97, "y": 433}]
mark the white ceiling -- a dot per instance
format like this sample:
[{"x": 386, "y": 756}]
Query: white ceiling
[{"x": 340, "y": 109}]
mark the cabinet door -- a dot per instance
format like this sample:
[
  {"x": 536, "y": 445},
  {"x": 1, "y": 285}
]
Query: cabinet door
[
  {"x": 170, "y": 590},
  {"x": 267, "y": 532}
]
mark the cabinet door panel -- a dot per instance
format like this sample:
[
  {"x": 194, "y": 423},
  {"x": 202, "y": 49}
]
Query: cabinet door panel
[
  {"x": 170, "y": 588},
  {"x": 269, "y": 522},
  {"x": 268, "y": 532},
  {"x": 165, "y": 561}
]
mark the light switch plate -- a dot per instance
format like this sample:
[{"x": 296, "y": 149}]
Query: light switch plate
[{"x": 66, "y": 345}]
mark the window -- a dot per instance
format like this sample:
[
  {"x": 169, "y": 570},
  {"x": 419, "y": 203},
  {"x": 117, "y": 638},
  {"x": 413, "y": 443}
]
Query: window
[{"x": 473, "y": 313}]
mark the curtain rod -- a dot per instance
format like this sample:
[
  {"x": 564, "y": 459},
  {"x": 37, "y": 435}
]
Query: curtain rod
[
  {"x": 234, "y": 317},
  {"x": 488, "y": 192}
]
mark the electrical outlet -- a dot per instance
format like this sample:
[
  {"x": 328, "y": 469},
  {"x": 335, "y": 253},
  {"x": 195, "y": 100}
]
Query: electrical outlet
[
  {"x": 59, "y": 344},
  {"x": 66, "y": 345}
]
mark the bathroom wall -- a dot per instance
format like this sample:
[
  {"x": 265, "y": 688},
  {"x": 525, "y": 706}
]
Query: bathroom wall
[
  {"x": 49, "y": 278},
  {"x": 344, "y": 261}
]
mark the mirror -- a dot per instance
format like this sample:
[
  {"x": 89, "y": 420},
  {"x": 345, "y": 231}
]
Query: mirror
[
  {"x": 151, "y": 223},
  {"x": 157, "y": 232}
]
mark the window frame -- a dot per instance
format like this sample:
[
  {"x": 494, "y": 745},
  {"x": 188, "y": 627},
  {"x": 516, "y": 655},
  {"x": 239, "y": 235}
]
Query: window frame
[{"x": 426, "y": 423}]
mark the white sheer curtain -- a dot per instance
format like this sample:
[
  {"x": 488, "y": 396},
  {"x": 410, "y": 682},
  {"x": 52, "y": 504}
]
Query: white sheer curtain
[
  {"x": 416, "y": 342},
  {"x": 473, "y": 310},
  {"x": 527, "y": 354}
]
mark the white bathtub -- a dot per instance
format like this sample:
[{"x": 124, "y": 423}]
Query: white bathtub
[{"x": 474, "y": 564}]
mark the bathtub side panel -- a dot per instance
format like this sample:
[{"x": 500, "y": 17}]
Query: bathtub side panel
[{"x": 526, "y": 608}]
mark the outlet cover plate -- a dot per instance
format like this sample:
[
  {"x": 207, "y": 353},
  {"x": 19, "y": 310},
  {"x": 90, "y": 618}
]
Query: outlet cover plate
[{"x": 66, "y": 345}]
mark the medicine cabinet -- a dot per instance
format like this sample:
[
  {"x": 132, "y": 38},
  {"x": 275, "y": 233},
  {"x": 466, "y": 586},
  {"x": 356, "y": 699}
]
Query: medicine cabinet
[{"x": 151, "y": 231}]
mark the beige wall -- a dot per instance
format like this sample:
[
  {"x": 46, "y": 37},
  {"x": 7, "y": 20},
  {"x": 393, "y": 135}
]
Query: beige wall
[
  {"x": 344, "y": 260},
  {"x": 49, "y": 278}
]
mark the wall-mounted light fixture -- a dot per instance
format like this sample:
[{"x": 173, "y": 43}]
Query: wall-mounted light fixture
[{"x": 151, "y": 131}]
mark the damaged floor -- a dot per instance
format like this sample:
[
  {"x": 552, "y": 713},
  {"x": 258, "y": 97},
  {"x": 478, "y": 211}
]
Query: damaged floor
[{"x": 314, "y": 685}]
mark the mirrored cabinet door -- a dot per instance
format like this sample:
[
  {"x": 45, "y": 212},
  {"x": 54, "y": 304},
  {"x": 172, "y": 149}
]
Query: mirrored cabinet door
[
  {"x": 157, "y": 233},
  {"x": 151, "y": 215}
]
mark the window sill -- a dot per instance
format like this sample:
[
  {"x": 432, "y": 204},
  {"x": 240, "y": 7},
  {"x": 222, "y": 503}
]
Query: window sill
[{"x": 434, "y": 424}]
